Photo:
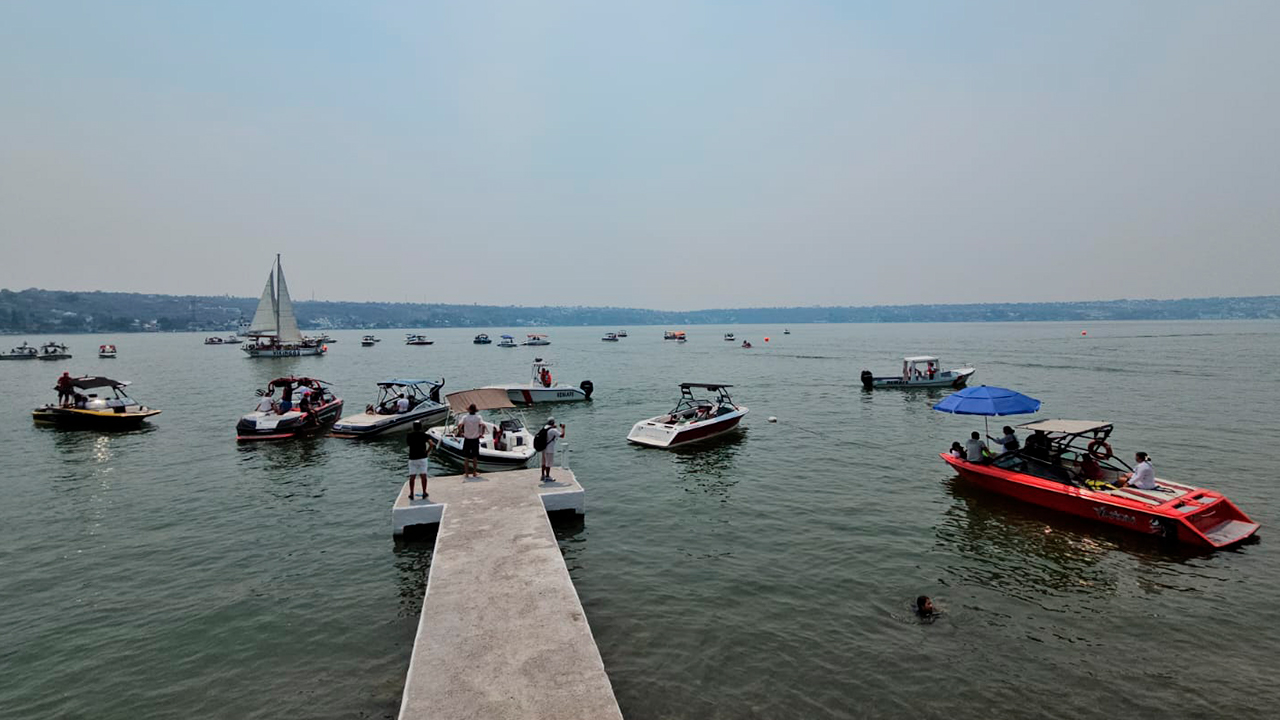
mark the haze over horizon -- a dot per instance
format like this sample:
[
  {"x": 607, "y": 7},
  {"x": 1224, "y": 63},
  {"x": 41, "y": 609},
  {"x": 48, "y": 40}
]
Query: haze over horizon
[{"x": 663, "y": 155}]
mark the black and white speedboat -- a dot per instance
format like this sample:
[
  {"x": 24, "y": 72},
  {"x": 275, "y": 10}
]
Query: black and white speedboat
[
  {"x": 312, "y": 407},
  {"x": 388, "y": 415}
]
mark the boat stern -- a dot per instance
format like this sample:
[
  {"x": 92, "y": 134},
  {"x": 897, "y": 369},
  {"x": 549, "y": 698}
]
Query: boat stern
[
  {"x": 652, "y": 433},
  {"x": 1209, "y": 518}
]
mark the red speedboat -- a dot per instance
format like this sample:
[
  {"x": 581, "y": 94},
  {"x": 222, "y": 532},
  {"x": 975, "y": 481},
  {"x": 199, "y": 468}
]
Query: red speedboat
[{"x": 1054, "y": 477}]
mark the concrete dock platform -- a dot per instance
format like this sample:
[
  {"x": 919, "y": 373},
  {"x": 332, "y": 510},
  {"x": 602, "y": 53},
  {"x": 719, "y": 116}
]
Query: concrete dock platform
[{"x": 502, "y": 633}]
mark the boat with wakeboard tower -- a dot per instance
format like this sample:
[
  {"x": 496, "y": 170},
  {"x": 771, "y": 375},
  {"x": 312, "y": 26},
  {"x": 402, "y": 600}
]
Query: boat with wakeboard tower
[
  {"x": 306, "y": 405},
  {"x": 54, "y": 351},
  {"x": 920, "y": 371},
  {"x": 413, "y": 339},
  {"x": 622, "y": 333},
  {"x": 729, "y": 337},
  {"x": 504, "y": 445},
  {"x": 88, "y": 411},
  {"x": 481, "y": 339},
  {"x": 22, "y": 352},
  {"x": 107, "y": 352},
  {"x": 543, "y": 387},
  {"x": 610, "y": 337},
  {"x": 369, "y": 341},
  {"x": 692, "y": 419},
  {"x": 1076, "y": 472},
  {"x": 400, "y": 403},
  {"x": 273, "y": 332},
  {"x": 536, "y": 339}
]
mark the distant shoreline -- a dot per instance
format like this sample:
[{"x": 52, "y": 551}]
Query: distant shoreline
[{"x": 68, "y": 312}]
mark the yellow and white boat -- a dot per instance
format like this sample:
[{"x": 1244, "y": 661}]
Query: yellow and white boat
[{"x": 91, "y": 411}]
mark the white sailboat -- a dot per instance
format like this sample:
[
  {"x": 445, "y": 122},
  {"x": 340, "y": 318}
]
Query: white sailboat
[{"x": 273, "y": 332}]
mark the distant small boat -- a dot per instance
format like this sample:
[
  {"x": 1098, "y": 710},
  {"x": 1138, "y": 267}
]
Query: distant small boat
[
  {"x": 610, "y": 337},
  {"x": 786, "y": 332},
  {"x": 418, "y": 340},
  {"x": 22, "y": 352},
  {"x": 536, "y": 339},
  {"x": 728, "y": 337},
  {"x": 507, "y": 342},
  {"x": 54, "y": 351},
  {"x": 481, "y": 339},
  {"x": 672, "y": 335},
  {"x": 273, "y": 332},
  {"x": 368, "y": 341},
  {"x": 622, "y": 333},
  {"x": 214, "y": 341},
  {"x": 106, "y": 351}
]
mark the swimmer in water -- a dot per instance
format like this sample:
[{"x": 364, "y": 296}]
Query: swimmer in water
[{"x": 924, "y": 606}]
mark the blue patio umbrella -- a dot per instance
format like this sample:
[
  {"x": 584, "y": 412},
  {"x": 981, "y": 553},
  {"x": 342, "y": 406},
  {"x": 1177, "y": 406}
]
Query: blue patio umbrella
[{"x": 988, "y": 401}]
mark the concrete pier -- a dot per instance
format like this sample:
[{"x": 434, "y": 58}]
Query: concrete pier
[{"x": 502, "y": 633}]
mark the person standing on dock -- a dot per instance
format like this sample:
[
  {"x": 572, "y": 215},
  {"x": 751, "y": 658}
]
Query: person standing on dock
[
  {"x": 549, "y": 449},
  {"x": 472, "y": 429},
  {"x": 419, "y": 449}
]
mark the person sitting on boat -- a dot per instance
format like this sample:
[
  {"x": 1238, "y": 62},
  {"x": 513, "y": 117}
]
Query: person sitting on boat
[
  {"x": 1143, "y": 476},
  {"x": 1089, "y": 467},
  {"x": 304, "y": 405},
  {"x": 974, "y": 450},
  {"x": 957, "y": 450},
  {"x": 1038, "y": 445},
  {"x": 402, "y": 405},
  {"x": 1009, "y": 442},
  {"x": 286, "y": 398},
  {"x": 266, "y": 404}
]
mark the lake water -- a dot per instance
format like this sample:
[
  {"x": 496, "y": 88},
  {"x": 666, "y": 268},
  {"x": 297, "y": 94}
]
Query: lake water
[{"x": 171, "y": 573}]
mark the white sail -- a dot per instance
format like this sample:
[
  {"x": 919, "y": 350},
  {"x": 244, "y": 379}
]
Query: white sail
[
  {"x": 288, "y": 323},
  {"x": 264, "y": 318}
]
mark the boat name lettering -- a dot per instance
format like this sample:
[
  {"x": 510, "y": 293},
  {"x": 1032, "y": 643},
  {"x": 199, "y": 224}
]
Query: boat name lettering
[{"x": 1109, "y": 514}]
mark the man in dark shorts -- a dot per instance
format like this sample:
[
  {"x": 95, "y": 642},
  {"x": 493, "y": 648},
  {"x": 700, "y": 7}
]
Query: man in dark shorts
[{"x": 471, "y": 428}]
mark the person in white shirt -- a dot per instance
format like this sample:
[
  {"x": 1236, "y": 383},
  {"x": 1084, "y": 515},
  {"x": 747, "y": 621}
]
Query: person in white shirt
[
  {"x": 471, "y": 428},
  {"x": 974, "y": 450},
  {"x": 1143, "y": 476},
  {"x": 266, "y": 404},
  {"x": 402, "y": 405},
  {"x": 1008, "y": 443},
  {"x": 549, "y": 452}
]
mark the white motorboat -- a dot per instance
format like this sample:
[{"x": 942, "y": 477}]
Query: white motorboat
[
  {"x": 610, "y": 337},
  {"x": 505, "y": 444},
  {"x": 622, "y": 333},
  {"x": 536, "y": 339},
  {"x": 22, "y": 352},
  {"x": 544, "y": 388},
  {"x": 274, "y": 329},
  {"x": 728, "y": 337},
  {"x": 382, "y": 417},
  {"x": 368, "y": 341},
  {"x": 481, "y": 339},
  {"x": 214, "y": 341},
  {"x": 54, "y": 351},
  {"x": 920, "y": 371},
  {"x": 417, "y": 340},
  {"x": 786, "y": 332},
  {"x": 691, "y": 420},
  {"x": 107, "y": 351},
  {"x": 507, "y": 341},
  {"x": 312, "y": 407}
]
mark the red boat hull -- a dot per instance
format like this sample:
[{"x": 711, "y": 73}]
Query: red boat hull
[{"x": 1203, "y": 517}]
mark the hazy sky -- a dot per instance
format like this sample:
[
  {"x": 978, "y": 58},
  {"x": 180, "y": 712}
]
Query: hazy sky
[{"x": 653, "y": 154}]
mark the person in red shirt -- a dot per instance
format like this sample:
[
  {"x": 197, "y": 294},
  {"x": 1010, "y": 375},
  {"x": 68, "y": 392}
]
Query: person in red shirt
[{"x": 66, "y": 389}]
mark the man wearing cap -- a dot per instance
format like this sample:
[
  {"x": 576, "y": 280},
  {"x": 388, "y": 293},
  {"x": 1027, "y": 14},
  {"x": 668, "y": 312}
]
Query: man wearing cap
[{"x": 549, "y": 452}]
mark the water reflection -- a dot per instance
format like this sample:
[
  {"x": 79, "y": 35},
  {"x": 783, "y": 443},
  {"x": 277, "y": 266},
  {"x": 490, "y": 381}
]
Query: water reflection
[
  {"x": 286, "y": 455},
  {"x": 710, "y": 465},
  {"x": 1028, "y": 551}
]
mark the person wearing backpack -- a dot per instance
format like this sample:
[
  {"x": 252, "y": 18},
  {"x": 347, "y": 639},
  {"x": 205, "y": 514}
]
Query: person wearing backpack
[{"x": 545, "y": 443}]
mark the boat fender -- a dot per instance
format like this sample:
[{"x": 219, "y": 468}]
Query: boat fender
[
  {"x": 867, "y": 379},
  {"x": 587, "y": 388},
  {"x": 1104, "y": 454}
]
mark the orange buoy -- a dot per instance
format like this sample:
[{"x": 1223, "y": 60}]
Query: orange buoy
[{"x": 1084, "y": 332}]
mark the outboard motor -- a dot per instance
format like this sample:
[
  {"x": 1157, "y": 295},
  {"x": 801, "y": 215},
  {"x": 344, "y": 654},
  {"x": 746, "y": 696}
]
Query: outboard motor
[
  {"x": 867, "y": 379},
  {"x": 587, "y": 388}
]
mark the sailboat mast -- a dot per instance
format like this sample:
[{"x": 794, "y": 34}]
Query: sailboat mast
[{"x": 275, "y": 298}]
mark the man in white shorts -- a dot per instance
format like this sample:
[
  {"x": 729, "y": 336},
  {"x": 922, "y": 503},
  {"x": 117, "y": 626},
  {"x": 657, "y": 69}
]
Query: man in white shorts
[
  {"x": 472, "y": 429},
  {"x": 549, "y": 453},
  {"x": 419, "y": 449}
]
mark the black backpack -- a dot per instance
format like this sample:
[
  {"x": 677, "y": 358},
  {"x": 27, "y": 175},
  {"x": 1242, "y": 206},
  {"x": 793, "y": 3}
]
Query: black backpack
[{"x": 540, "y": 440}]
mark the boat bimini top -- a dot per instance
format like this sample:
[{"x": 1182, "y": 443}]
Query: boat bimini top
[
  {"x": 482, "y": 398},
  {"x": 93, "y": 382}
]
